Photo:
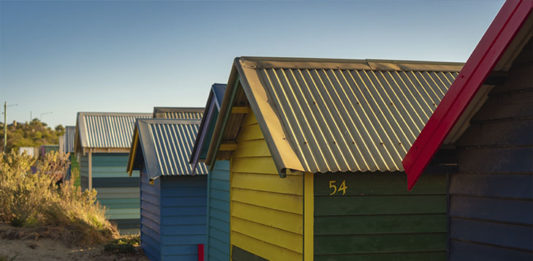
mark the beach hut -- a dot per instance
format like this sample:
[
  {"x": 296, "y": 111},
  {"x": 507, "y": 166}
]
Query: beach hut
[
  {"x": 173, "y": 198},
  {"x": 66, "y": 145},
  {"x": 217, "y": 181},
  {"x": 66, "y": 141},
  {"x": 102, "y": 142},
  {"x": 486, "y": 118},
  {"x": 315, "y": 149},
  {"x": 43, "y": 149}
]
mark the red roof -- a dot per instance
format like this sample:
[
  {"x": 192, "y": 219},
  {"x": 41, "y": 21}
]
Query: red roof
[{"x": 486, "y": 55}]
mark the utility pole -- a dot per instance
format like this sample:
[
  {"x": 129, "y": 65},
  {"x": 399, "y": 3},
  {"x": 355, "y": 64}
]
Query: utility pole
[{"x": 5, "y": 126}]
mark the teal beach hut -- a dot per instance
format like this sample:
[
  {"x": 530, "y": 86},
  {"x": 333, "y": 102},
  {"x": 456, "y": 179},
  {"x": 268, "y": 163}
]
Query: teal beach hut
[
  {"x": 218, "y": 245},
  {"x": 102, "y": 142}
]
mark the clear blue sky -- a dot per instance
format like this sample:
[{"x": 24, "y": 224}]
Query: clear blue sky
[{"x": 64, "y": 57}]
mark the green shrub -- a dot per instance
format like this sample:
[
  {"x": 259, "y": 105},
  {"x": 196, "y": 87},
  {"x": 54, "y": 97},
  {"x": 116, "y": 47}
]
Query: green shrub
[
  {"x": 34, "y": 199},
  {"x": 124, "y": 245}
]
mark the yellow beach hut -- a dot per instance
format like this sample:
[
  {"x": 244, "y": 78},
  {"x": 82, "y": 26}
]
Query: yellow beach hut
[{"x": 315, "y": 149}]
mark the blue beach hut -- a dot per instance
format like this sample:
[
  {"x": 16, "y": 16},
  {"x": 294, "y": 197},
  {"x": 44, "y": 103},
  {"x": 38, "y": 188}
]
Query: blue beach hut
[{"x": 173, "y": 197}]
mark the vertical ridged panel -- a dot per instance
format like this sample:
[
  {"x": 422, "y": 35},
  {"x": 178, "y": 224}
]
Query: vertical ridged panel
[
  {"x": 108, "y": 130},
  {"x": 353, "y": 120},
  {"x": 182, "y": 115},
  {"x": 173, "y": 143}
]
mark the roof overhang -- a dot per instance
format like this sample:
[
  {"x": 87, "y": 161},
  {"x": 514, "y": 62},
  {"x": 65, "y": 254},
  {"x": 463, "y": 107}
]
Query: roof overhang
[
  {"x": 162, "y": 147},
  {"x": 82, "y": 143},
  {"x": 142, "y": 153},
  {"x": 249, "y": 90},
  {"x": 205, "y": 131},
  {"x": 242, "y": 92},
  {"x": 493, "y": 56}
]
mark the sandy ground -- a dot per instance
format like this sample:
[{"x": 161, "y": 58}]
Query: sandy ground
[{"x": 49, "y": 249}]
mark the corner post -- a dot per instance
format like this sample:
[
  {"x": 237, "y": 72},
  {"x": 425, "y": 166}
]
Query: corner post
[
  {"x": 309, "y": 214},
  {"x": 90, "y": 163}
]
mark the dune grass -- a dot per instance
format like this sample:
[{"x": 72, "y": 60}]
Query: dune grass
[{"x": 36, "y": 198}]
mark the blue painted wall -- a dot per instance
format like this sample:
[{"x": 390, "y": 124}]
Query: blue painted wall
[
  {"x": 491, "y": 195},
  {"x": 218, "y": 244},
  {"x": 150, "y": 217},
  {"x": 173, "y": 216},
  {"x": 183, "y": 216}
]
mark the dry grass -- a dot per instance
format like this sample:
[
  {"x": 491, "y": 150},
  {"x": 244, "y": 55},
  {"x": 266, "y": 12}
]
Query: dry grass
[{"x": 36, "y": 200}]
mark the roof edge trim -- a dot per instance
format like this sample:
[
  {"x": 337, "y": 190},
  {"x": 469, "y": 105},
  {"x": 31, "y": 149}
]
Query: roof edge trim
[
  {"x": 367, "y": 64},
  {"x": 282, "y": 152},
  {"x": 485, "y": 56}
]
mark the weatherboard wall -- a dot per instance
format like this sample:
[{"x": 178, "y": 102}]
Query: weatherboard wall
[
  {"x": 492, "y": 193},
  {"x": 218, "y": 204},
  {"x": 173, "y": 216},
  {"x": 117, "y": 191},
  {"x": 183, "y": 209},
  {"x": 266, "y": 211},
  {"x": 84, "y": 171},
  {"x": 371, "y": 216},
  {"x": 150, "y": 217},
  {"x": 375, "y": 219}
]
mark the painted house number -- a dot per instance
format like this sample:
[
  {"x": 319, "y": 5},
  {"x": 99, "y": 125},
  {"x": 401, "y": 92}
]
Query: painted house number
[{"x": 335, "y": 189}]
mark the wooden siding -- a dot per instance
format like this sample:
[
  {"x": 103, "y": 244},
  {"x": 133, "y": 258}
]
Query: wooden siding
[
  {"x": 492, "y": 193},
  {"x": 266, "y": 210},
  {"x": 150, "y": 217},
  {"x": 183, "y": 216},
  {"x": 218, "y": 245},
  {"x": 117, "y": 191},
  {"x": 84, "y": 171},
  {"x": 378, "y": 219}
]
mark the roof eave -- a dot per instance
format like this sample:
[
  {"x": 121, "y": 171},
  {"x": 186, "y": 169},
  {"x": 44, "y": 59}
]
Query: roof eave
[
  {"x": 482, "y": 61},
  {"x": 204, "y": 125},
  {"x": 223, "y": 116},
  {"x": 283, "y": 155},
  {"x": 270, "y": 125},
  {"x": 133, "y": 150}
]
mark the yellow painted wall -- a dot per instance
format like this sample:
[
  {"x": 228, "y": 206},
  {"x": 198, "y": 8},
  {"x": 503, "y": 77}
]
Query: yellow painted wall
[{"x": 266, "y": 210}]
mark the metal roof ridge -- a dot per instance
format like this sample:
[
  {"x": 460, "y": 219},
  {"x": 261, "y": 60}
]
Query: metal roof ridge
[
  {"x": 360, "y": 64},
  {"x": 82, "y": 113},
  {"x": 167, "y": 120},
  {"x": 178, "y": 109}
]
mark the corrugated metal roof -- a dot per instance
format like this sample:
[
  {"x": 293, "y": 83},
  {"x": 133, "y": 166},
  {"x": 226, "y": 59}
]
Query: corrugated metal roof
[
  {"x": 166, "y": 146},
  {"x": 178, "y": 113},
  {"x": 321, "y": 115},
  {"x": 106, "y": 129}
]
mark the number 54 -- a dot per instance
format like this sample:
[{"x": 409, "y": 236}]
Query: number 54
[{"x": 342, "y": 187}]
